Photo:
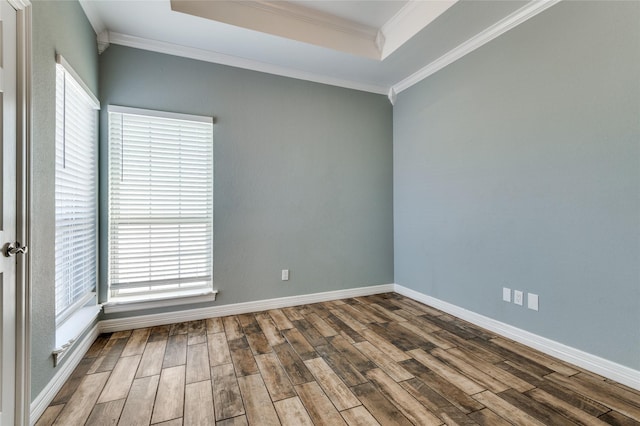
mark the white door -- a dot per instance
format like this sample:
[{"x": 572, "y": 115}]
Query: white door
[{"x": 8, "y": 212}]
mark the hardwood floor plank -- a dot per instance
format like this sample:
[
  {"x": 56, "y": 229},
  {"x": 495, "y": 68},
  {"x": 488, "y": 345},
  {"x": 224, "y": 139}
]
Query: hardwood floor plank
[
  {"x": 174, "y": 422},
  {"x": 119, "y": 382},
  {"x": 333, "y": 387},
  {"x": 409, "y": 406},
  {"x": 197, "y": 363},
  {"x": 542, "y": 359},
  {"x": 506, "y": 410},
  {"x": 111, "y": 353},
  {"x": 50, "y": 414},
  {"x": 97, "y": 346},
  {"x": 137, "y": 341},
  {"x": 359, "y": 416},
  {"x": 379, "y": 406},
  {"x": 486, "y": 417},
  {"x": 310, "y": 333},
  {"x": 343, "y": 329},
  {"x": 428, "y": 336},
  {"x": 452, "y": 393},
  {"x": 292, "y": 413},
  {"x": 80, "y": 405},
  {"x": 383, "y": 361},
  {"x": 340, "y": 365},
  {"x": 106, "y": 414},
  {"x": 294, "y": 366},
  {"x": 232, "y": 328},
  {"x": 299, "y": 344},
  {"x": 258, "y": 405},
  {"x": 179, "y": 328},
  {"x": 236, "y": 421},
  {"x": 321, "y": 325},
  {"x": 385, "y": 346},
  {"x": 318, "y": 405},
  {"x": 458, "y": 379},
  {"x": 176, "y": 351},
  {"x": 214, "y": 325},
  {"x": 386, "y": 313},
  {"x": 352, "y": 354},
  {"x": 197, "y": 333},
  {"x": 617, "y": 419},
  {"x": 226, "y": 393},
  {"x": 169, "y": 403},
  {"x": 435, "y": 402},
  {"x": 152, "y": 359},
  {"x": 350, "y": 321},
  {"x": 218, "y": 349},
  {"x": 198, "y": 404},
  {"x": 72, "y": 383},
  {"x": 280, "y": 319},
  {"x": 469, "y": 370},
  {"x": 274, "y": 376},
  {"x": 601, "y": 394},
  {"x": 139, "y": 405},
  {"x": 496, "y": 372},
  {"x": 256, "y": 338},
  {"x": 242, "y": 358},
  {"x": 533, "y": 408},
  {"x": 292, "y": 313},
  {"x": 569, "y": 411},
  {"x": 269, "y": 329},
  {"x": 159, "y": 332}
]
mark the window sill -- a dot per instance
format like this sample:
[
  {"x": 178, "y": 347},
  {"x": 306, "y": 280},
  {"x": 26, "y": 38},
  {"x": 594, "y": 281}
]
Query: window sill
[
  {"x": 168, "y": 300},
  {"x": 72, "y": 328}
]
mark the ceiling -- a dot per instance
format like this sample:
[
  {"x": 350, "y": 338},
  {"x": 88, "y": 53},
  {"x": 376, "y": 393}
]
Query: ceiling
[{"x": 380, "y": 46}]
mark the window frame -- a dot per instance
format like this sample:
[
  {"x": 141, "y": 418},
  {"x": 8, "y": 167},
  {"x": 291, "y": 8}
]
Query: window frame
[
  {"x": 63, "y": 318},
  {"x": 158, "y": 298}
]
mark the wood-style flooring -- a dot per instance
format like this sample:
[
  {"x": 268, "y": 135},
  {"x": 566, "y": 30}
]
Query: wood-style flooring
[{"x": 382, "y": 359}]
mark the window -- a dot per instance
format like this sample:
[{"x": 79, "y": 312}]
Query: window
[
  {"x": 76, "y": 181},
  {"x": 160, "y": 205}
]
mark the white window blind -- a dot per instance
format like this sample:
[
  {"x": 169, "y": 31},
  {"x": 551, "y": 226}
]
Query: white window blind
[
  {"x": 75, "y": 193},
  {"x": 160, "y": 204}
]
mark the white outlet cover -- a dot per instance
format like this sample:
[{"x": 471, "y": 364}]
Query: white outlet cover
[
  {"x": 518, "y": 297},
  {"x": 532, "y": 301},
  {"x": 506, "y": 294},
  {"x": 285, "y": 275}
]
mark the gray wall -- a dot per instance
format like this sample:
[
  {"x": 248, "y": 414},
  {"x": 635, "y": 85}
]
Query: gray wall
[
  {"x": 518, "y": 166},
  {"x": 58, "y": 27},
  {"x": 302, "y": 172}
]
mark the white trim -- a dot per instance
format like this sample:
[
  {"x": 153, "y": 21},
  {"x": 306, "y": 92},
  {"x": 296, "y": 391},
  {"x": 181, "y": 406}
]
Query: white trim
[
  {"x": 75, "y": 325},
  {"x": 518, "y": 17},
  {"x": 289, "y": 20},
  {"x": 19, "y": 4},
  {"x": 141, "y": 321},
  {"x": 619, "y": 373},
  {"x": 235, "y": 61},
  {"x": 407, "y": 22},
  {"x": 167, "y": 301},
  {"x": 68, "y": 68},
  {"x": 44, "y": 398},
  {"x": 161, "y": 114}
]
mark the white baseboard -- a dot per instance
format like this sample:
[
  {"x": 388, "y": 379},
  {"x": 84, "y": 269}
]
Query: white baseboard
[
  {"x": 45, "y": 397},
  {"x": 141, "y": 321},
  {"x": 619, "y": 373}
]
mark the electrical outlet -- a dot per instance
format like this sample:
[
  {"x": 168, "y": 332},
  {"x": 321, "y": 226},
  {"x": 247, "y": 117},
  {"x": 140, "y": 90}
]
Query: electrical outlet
[
  {"x": 506, "y": 294},
  {"x": 532, "y": 301},
  {"x": 517, "y": 297},
  {"x": 285, "y": 275}
]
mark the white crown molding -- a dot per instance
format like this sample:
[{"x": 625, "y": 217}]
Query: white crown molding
[
  {"x": 518, "y": 17},
  {"x": 288, "y": 20},
  {"x": 619, "y": 373},
  {"x": 91, "y": 11},
  {"x": 142, "y": 321},
  {"x": 408, "y": 21},
  {"x": 235, "y": 61},
  {"x": 19, "y": 4},
  {"x": 44, "y": 398}
]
